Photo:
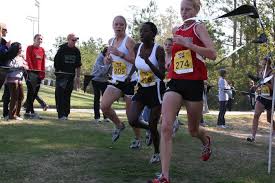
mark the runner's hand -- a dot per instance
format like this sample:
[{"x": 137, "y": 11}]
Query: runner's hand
[
  {"x": 181, "y": 41},
  {"x": 113, "y": 50},
  {"x": 108, "y": 59}
]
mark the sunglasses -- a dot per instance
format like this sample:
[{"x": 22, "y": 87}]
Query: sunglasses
[
  {"x": 74, "y": 40},
  {"x": 4, "y": 29}
]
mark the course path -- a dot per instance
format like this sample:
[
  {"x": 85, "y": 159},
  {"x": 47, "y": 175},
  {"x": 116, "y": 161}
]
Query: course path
[{"x": 121, "y": 111}]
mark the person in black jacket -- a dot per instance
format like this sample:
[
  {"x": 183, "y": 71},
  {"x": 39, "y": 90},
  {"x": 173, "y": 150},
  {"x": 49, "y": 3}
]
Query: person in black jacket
[
  {"x": 6, "y": 53},
  {"x": 67, "y": 62}
]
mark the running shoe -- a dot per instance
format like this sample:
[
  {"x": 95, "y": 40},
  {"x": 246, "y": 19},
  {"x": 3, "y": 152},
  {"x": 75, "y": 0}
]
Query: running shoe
[
  {"x": 148, "y": 138},
  {"x": 160, "y": 179},
  {"x": 135, "y": 144},
  {"x": 155, "y": 158},
  {"x": 250, "y": 139},
  {"x": 35, "y": 115},
  {"x": 175, "y": 127},
  {"x": 45, "y": 108},
  {"x": 18, "y": 118},
  {"x": 97, "y": 121},
  {"x": 221, "y": 126},
  {"x": 206, "y": 153},
  {"x": 116, "y": 132},
  {"x": 27, "y": 115},
  {"x": 203, "y": 124},
  {"x": 106, "y": 120},
  {"x": 63, "y": 118},
  {"x": 6, "y": 118}
]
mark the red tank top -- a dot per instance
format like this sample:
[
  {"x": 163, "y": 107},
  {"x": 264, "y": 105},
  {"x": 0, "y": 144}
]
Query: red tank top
[{"x": 187, "y": 64}]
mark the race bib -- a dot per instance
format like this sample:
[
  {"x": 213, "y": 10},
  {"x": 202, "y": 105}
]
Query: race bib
[
  {"x": 183, "y": 62},
  {"x": 146, "y": 77},
  {"x": 119, "y": 68},
  {"x": 265, "y": 91}
]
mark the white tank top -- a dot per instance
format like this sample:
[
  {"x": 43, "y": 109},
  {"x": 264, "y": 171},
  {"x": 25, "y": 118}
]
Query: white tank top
[
  {"x": 146, "y": 77},
  {"x": 121, "y": 68}
]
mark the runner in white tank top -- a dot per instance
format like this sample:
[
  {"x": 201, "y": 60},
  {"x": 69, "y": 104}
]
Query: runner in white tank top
[
  {"x": 150, "y": 62},
  {"x": 121, "y": 54}
]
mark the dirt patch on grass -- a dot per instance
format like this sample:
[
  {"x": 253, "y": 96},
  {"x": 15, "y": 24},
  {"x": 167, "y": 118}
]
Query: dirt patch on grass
[{"x": 68, "y": 166}]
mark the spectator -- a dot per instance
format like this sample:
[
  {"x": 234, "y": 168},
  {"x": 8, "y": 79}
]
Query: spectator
[
  {"x": 6, "y": 54},
  {"x": 224, "y": 93},
  {"x": 14, "y": 82},
  {"x": 100, "y": 81},
  {"x": 35, "y": 56},
  {"x": 67, "y": 63}
]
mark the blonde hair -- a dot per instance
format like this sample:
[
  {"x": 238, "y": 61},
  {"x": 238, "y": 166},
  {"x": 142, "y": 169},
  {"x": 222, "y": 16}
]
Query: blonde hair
[
  {"x": 121, "y": 17},
  {"x": 196, "y": 4}
]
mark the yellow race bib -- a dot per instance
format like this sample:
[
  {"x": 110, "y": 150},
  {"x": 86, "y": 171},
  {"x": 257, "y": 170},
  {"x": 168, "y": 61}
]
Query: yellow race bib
[
  {"x": 265, "y": 91},
  {"x": 119, "y": 68},
  {"x": 183, "y": 62},
  {"x": 146, "y": 77}
]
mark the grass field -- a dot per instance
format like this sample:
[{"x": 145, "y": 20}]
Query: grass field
[
  {"x": 78, "y": 99},
  {"x": 81, "y": 151}
]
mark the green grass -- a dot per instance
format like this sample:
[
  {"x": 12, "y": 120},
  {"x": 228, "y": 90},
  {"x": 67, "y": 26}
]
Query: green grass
[
  {"x": 79, "y": 99},
  {"x": 80, "y": 151}
]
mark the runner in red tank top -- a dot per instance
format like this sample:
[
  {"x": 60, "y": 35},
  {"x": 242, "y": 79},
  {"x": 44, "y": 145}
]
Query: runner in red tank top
[
  {"x": 191, "y": 44},
  {"x": 192, "y": 68}
]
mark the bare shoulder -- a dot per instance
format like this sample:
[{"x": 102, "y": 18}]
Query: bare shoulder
[
  {"x": 201, "y": 27},
  {"x": 130, "y": 42}
]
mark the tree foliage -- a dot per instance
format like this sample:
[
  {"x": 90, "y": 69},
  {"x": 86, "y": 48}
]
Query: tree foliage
[{"x": 227, "y": 34}]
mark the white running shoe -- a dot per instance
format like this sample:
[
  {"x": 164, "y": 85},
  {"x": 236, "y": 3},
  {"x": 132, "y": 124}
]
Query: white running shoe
[
  {"x": 176, "y": 126},
  {"x": 116, "y": 132},
  {"x": 63, "y": 118},
  {"x": 97, "y": 120},
  {"x": 221, "y": 126},
  {"x": 148, "y": 138},
  {"x": 155, "y": 158},
  {"x": 135, "y": 144},
  {"x": 18, "y": 118}
]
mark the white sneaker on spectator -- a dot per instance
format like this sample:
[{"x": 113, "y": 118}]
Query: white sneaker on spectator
[
  {"x": 18, "y": 118},
  {"x": 221, "y": 126},
  {"x": 35, "y": 116},
  {"x": 97, "y": 121},
  {"x": 63, "y": 118},
  {"x": 6, "y": 118},
  {"x": 203, "y": 124},
  {"x": 107, "y": 120}
]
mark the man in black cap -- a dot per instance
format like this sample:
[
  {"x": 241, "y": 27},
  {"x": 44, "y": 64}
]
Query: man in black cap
[{"x": 67, "y": 63}]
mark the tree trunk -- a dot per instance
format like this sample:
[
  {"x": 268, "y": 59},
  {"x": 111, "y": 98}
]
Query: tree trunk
[{"x": 234, "y": 37}]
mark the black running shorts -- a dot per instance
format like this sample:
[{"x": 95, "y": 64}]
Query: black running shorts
[
  {"x": 191, "y": 90},
  {"x": 150, "y": 96}
]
